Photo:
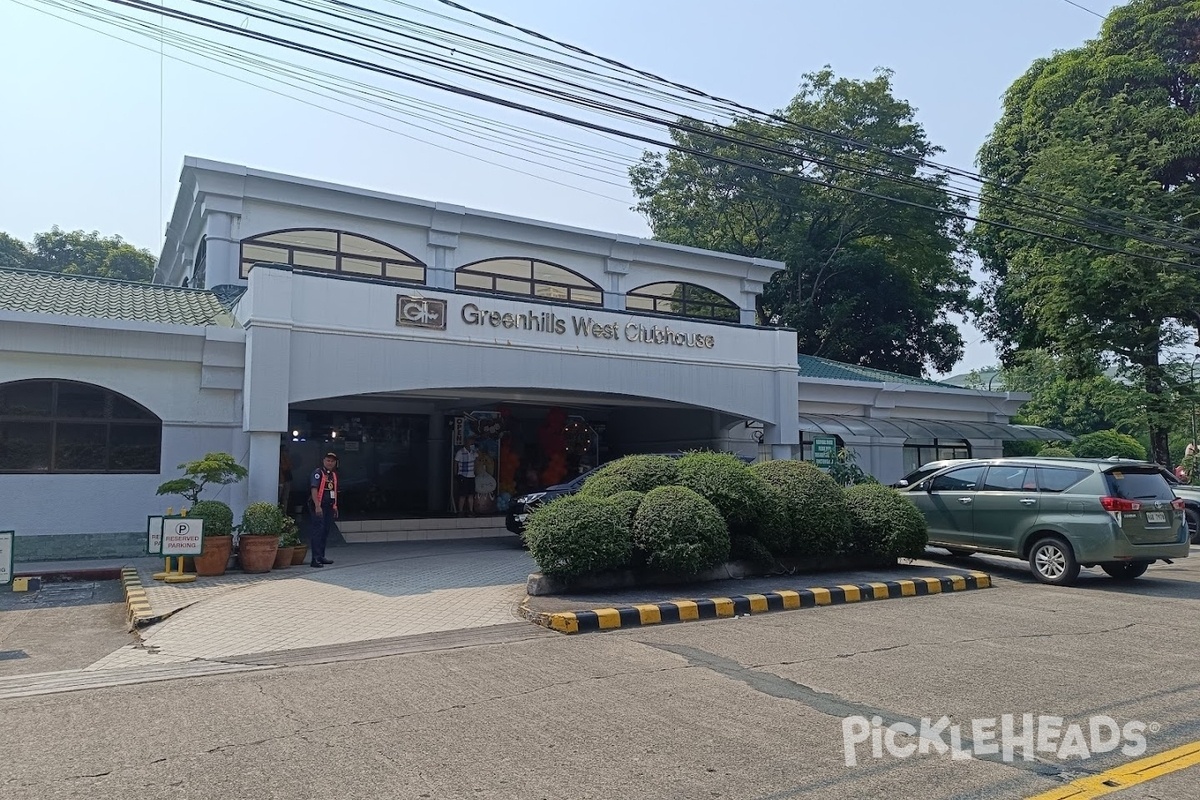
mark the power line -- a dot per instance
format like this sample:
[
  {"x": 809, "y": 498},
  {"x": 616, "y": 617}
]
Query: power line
[
  {"x": 1084, "y": 8},
  {"x": 594, "y": 126}
]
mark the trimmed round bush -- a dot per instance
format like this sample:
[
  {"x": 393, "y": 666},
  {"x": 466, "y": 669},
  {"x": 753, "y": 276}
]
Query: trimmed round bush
[
  {"x": 679, "y": 531},
  {"x": 627, "y": 503},
  {"x": 813, "y": 505},
  {"x": 748, "y": 548},
  {"x": 218, "y": 517},
  {"x": 600, "y": 486},
  {"x": 1055, "y": 452},
  {"x": 774, "y": 529},
  {"x": 885, "y": 523},
  {"x": 1105, "y": 444},
  {"x": 579, "y": 535},
  {"x": 722, "y": 479},
  {"x": 642, "y": 472},
  {"x": 262, "y": 519}
]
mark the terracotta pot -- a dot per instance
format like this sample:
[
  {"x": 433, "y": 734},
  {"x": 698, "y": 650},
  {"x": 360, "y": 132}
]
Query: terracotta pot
[
  {"x": 283, "y": 557},
  {"x": 299, "y": 554},
  {"x": 257, "y": 553},
  {"x": 215, "y": 557}
]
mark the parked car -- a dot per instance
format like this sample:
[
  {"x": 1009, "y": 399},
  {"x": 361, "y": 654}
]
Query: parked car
[
  {"x": 1190, "y": 495},
  {"x": 927, "y": 469},
  {"x": 521, "y": 507},
  {"x": 1060, "y": 514}
]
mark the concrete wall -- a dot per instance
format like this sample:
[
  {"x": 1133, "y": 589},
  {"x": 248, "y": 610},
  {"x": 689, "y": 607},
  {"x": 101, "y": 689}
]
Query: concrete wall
[{"x": 182, "y": 375}]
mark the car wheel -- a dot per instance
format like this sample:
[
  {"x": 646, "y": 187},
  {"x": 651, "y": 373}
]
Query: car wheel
[
  {"x": 1125, "y": 570},
  {"x": 1053, "y": 561},
  {"x": 1193, "y": 524},
  {"x": 954, "y": 551}
]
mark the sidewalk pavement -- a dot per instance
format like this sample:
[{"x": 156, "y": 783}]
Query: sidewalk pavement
[{"x": 377, "y": 591}]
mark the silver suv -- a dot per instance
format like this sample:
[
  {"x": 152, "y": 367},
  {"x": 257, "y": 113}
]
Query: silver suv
[{"x": 1060, "y": 514}]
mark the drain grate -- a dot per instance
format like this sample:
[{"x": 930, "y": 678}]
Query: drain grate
[{"x": 12, "y": 655}]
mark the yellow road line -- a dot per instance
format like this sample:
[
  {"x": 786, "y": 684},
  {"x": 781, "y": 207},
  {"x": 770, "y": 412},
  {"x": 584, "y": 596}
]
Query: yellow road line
[{"x": 1131, "y": 774}]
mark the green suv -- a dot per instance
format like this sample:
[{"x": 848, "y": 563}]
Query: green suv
[{"x": 1060, "y": 514}]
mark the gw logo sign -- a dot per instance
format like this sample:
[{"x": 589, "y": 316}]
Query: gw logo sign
[{"x": 420, "y": 312}]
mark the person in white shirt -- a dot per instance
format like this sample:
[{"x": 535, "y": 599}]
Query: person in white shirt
[{"x": 464, "y": 476}]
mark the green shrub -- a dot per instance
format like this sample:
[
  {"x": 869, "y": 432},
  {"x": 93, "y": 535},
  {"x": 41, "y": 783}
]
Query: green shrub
[
  {"x": 218, "y": 468},
  {"x": 579, "y": 535},
  {"x": 680, "y": 531},
  {"x": 1105, "y": 444},
  {"x": 885, "y": 523},
  {"x": 218, "y": 517},
  {"x": 774, "y": 531},
  {"x": 628, "y": 503},
  {"x": 1055, "y": 452},
  {"x": 642, "y": 473},
  {"x": 813, "y": 505},
  {"x": 599, "y": 486},
  {"x": 748, "y": 548},
  {"x": 262, "y": 519},
  {"x": 740, "y": 496}
]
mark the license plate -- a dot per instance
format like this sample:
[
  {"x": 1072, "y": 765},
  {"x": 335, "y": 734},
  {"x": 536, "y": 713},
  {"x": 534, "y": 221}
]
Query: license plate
[{"x": 1156, "y": 516}]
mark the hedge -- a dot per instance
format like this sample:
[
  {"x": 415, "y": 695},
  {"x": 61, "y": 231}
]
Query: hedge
[
  {"x": 1104, "y": 444},
  {"x": 600, "y": 486},
  {"x": 579, "y": 535},
  {"x": 739, "y": 495},
  {"x": 218, "y": 517},
  {"x": 885, "y": 523},
  {"x": 679, "y": 531},
  {"x": 642, "y": 472},
  {"x": 814, "y": 507}
]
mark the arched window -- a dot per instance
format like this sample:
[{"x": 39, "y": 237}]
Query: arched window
[
  {"x": 682, "y": 300},
  {"x": 64, "y": 426},
  {"x": 528, "y": 277},
  {"x": 332, "y": 251}
]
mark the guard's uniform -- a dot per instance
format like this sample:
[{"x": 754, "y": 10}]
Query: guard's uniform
[{"x": 325, "y": 483}]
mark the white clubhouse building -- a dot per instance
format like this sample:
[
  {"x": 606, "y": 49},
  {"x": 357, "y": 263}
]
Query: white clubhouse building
[{"x": 290, "y": 317}]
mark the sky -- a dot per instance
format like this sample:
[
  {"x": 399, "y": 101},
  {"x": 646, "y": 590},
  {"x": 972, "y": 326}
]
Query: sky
[{"x": 95, "y": 130}]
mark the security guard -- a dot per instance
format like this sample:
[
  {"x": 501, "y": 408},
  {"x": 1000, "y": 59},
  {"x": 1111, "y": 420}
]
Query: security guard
[{"x": 324, "y": 487}]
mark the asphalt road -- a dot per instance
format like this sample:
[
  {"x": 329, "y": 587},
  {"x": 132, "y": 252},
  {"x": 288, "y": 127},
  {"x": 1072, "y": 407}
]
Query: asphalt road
[{"x": 738, "y": 708}]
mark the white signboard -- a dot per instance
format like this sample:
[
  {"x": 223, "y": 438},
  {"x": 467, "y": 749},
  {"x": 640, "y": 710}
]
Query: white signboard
[
  {"x": 154, "y": 531},
  {"x": 182, "y": 536},
  {"x": 6, "y": 557}
]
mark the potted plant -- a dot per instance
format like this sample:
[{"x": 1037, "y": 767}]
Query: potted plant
[
  {"x": 262, "y": 525},
  {"x": 218, "y": 536},
  {"x": 287, "y": 544},
  {"x": 299, "y": 547},
  {"x": 218, "y": 468}
]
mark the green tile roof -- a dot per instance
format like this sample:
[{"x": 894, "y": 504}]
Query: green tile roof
[
  {"x": 814, "y": 367},
  {"x": 102, "y": 298}
]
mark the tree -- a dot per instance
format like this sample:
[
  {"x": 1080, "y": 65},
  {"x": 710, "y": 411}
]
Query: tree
[
  {"x": 78, "y": 253},
  {"x": 218, "y": 468},
  {"x": 868, "y": 281},
  {"x": 1110, "y": 125},
  {"x": 13, "y": 253}
]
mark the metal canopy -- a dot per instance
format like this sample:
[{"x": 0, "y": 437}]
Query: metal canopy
[{"x": 904, "y": 428}]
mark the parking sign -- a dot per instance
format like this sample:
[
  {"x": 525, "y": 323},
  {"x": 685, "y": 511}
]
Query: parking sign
[{"x": 182, "y": 536}]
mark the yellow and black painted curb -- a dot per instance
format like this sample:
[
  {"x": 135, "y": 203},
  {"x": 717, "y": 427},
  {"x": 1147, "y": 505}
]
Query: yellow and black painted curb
[
  {"x": 603, "y": 619},
  {"x": 137, "y": 604}
]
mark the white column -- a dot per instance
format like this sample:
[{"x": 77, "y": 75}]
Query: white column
[{"x": 264, "y": 466}]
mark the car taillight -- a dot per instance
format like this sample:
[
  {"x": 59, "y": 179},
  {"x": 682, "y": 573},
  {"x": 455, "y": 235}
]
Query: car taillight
[
  {"x": 1177, "y": 504},
  {"x": 1119, "y": 504}
]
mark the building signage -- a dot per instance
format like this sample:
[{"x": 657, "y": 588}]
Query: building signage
[
  {"x": 6, "y": 557},
  {"x": 584, "y": 326},
  {"x": 824, "y": 451},
  {"x": 420, "y": 312},
  {"x": 182, "y": 536}
]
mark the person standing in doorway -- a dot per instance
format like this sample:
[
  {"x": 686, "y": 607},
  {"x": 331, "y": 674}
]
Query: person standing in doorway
[
  {"x": 464, "y": 476},
  {"x": 324, "y": 487}
]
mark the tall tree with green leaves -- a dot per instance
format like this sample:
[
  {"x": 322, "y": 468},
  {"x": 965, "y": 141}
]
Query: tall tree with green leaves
[
  {"x": 1110, "y": 125},
  {"x": 78, "y": 253},
  {"x": 868, "y": 281}
]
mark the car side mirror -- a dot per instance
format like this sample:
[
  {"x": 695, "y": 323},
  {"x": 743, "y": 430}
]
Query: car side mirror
[{"x": 925, "y": 486}]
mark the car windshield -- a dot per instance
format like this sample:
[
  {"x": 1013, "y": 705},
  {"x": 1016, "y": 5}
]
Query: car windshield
[
  {"x": 921, "y": 472},
  {"x": 1139, "y": 484}
]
